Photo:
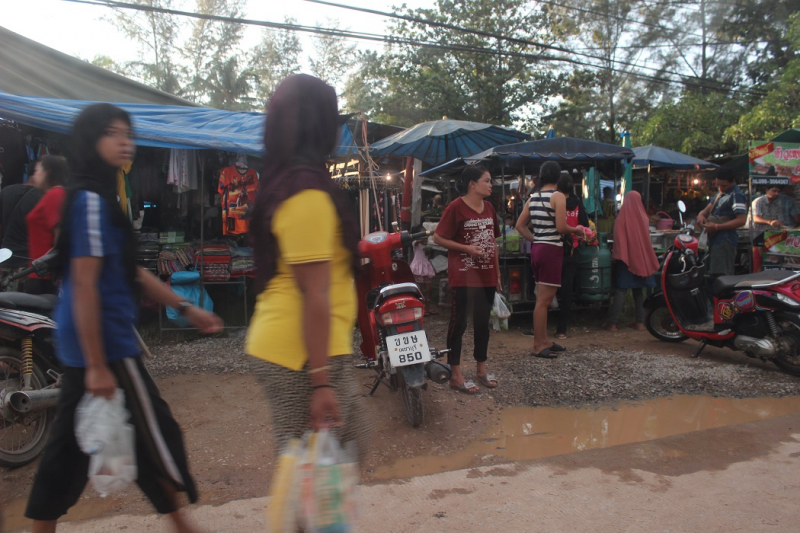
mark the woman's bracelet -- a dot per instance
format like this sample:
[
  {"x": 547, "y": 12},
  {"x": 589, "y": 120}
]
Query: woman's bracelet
[
  {"x": 319, "y": 369},
  {"x": 326, "y": 386}
]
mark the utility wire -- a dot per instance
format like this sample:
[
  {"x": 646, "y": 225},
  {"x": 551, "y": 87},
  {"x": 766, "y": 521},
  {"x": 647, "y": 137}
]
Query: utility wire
[
  {"x": 392, "y": 40},
  {"x": 516, "y": 40},
  {"x": 410, "y": 18}
]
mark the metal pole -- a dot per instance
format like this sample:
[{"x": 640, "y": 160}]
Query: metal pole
[{"x": 750, "y": 229}]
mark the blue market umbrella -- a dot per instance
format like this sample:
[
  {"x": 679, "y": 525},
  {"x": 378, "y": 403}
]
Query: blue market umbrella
[
  {"x": 443, "y": 140},
  {"x": 656, "y": 156},
  {"x": 551, "y": 133}
]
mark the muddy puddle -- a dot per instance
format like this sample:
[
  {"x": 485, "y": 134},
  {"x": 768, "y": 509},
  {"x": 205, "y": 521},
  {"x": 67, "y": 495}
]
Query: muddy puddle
[{"x": 526, "y": 433}]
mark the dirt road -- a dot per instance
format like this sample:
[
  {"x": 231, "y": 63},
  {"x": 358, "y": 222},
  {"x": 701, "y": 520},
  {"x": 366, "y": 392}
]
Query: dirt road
[
  {"x": 737, "y": 478},
  {"x": 226, "y": 423}
]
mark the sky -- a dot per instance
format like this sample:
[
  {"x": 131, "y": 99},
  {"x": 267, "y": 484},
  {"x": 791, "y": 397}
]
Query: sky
[{"x": 81, "y": 30}]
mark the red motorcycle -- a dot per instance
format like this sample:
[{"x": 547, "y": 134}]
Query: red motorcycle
[
  {"x": 758, "y": 314},
  {"x": 390, "y": 317}
]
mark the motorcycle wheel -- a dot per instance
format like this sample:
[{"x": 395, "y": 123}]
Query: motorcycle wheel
[
  {"x": 660, "y": 324},
  {"x": 790, "y": 363},
  {"x": 23, "y": 438},
  {"x": 412, "y": 400}
]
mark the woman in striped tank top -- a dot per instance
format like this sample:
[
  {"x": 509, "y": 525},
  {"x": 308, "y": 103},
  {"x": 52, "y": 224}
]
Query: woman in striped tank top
[{"x": 546, "y": 212}]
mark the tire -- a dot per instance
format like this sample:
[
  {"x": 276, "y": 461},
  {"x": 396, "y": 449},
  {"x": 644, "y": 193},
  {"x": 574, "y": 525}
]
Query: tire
[
  {"x": 412, "y": 400},
  {"x": 660, "y": 324},
  {"x": 34, "y": 429},
  {"x": 790, "y": 363}
]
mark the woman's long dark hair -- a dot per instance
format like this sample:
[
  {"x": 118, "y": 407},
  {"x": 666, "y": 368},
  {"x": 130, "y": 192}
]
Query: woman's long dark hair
[
  {"x": 88, "y": 172},
  {"x": 300, "y": 133}
]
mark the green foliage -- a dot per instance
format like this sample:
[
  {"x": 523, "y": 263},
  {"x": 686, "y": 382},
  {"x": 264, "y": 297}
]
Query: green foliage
[
  {"x": 276, "y": 57},
  {"x": 333, "y": 57},
  {"x": 694, "y": 124},
  {"x": 779, "y": 110},
  {"x": 406, "y": 85}
]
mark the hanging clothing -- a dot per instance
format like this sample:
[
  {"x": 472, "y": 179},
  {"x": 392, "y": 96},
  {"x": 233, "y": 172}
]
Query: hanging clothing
[
  {"x": 632, "y": 237},
  {"x": 421, "y": 267},
  {"x": 238, "y": 188},
  {"x": 182, "y": 173}
]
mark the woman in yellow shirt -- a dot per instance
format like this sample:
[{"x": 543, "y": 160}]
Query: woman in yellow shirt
[{"x": 306, "y": 249}]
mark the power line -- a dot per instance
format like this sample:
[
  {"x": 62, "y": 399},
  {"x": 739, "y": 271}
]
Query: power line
[
  {"x": 346, "y": 34},
  {"x": 483, "y": 33}
]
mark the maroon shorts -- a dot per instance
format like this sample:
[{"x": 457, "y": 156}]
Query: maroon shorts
[{"x": 546, "y": 261}]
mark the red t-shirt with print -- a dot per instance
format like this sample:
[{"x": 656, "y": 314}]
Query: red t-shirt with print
[{"x": 464, "y": 225}]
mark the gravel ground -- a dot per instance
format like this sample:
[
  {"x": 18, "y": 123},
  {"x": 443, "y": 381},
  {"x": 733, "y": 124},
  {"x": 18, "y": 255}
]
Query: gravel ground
[
  {"x": 601, "y": 375},
  {"x": 590, "y": 373},
  {"x": 214, "y": 355}
]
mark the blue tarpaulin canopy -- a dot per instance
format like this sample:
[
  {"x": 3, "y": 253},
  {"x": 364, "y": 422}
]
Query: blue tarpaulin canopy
[
  {"x": 442, "y": 140},
  {"x": 161, "y": 126},
  {"x": 531, "y": 154},
  {"x": 656, "y": 156}
]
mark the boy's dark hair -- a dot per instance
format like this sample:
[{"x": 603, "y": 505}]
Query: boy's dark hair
[{"x": 726, "y": 174}]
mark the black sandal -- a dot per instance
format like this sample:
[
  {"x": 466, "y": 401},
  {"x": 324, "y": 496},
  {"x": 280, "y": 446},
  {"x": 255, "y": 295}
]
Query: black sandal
[
  {"x": 557, "y": 348},
  {"x": 545, "y": 354}
]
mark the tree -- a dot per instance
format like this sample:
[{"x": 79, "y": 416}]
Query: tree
[
  {"x": 213, "y": 75},
  {"x": 455, "y": 76},
  {"x": 694, "y": 124},
  {"x": 763, "y": 27},
  {"x": 274, "y": 58},
  {"x": 779, "y": 110},
  {"x": 107, "y": 63},
  {"x": 156, "y": 34},
  {"x": 600, "y": 101},
  {"x": 333, "y": 57}
]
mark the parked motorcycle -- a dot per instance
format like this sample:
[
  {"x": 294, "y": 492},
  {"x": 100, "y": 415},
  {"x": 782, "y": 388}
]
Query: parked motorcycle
[
  {"x": 758, "y": 314},
  {"x": 390, "y": 317},
  {"x": 30, "y": 375}
]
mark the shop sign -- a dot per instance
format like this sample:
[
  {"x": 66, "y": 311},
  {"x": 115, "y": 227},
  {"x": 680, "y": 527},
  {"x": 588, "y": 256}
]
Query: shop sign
[
  {"x": 774, "y": 163},
  {"x": 782, "y": 242}
]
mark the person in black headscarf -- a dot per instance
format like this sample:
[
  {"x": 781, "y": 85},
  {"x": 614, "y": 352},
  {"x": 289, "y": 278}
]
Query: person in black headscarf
[
  {"x": 305, "y": 240},
  {"x": 96, "y": 342}
]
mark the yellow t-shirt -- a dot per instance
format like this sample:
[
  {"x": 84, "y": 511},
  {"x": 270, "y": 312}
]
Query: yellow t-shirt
[{"x": 307, "y": 230}]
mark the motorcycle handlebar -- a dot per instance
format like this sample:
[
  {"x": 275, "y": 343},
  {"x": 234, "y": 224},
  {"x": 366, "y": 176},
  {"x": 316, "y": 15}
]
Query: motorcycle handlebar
[{"x": 411, "y": 237}]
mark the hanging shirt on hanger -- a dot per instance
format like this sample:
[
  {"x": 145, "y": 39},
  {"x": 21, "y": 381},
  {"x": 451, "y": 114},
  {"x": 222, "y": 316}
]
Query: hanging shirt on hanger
[{"x": 238, "y": 187}]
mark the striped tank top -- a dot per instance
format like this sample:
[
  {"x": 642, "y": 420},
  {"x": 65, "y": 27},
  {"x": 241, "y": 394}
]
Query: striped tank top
[{"x": 543, "y": 218}]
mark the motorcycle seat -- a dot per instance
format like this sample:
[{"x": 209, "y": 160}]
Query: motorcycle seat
[
  {"x": 726, "y": 284},
  {"x": 21, "y": 301},
  {"x": 399, "y": 288}
]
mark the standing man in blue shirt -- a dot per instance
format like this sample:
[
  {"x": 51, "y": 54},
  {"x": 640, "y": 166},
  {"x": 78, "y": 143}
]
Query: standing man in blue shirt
[{"x": 721, "y": 218}]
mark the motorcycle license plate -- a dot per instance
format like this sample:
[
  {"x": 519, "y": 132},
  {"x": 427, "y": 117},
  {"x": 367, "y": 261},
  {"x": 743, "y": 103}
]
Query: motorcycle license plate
[{"x": 408, "y": 348}]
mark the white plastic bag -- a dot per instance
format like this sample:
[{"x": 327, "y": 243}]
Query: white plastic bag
[
  {"x": 500, "y": 308},
  {"x": 103, "y": 432},
  {"x": 329, "y": 475}
]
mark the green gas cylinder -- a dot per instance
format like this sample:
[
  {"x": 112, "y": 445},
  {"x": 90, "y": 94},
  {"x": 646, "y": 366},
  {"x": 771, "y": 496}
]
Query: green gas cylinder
[{"x": 594, "y": 271}]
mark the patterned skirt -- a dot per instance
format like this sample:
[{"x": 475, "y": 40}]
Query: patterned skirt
[{"x": 289, "y": 395}]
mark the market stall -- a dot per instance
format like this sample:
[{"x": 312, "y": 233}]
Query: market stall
[
  {"x": 666, "y": 177},
  {"x": 588, "y": 161},
  {"x": 775, "y": 163},
  {"x": 190, "y": 188}
]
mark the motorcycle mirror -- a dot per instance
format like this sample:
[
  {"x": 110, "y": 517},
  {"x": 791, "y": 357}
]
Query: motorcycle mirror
[
  {"x": 5, "y": 254},
  {"x": 681, "y": 206}
]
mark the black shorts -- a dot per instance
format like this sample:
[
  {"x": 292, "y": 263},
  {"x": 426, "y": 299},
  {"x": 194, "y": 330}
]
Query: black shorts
[{"x": 160, "y": 454}]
